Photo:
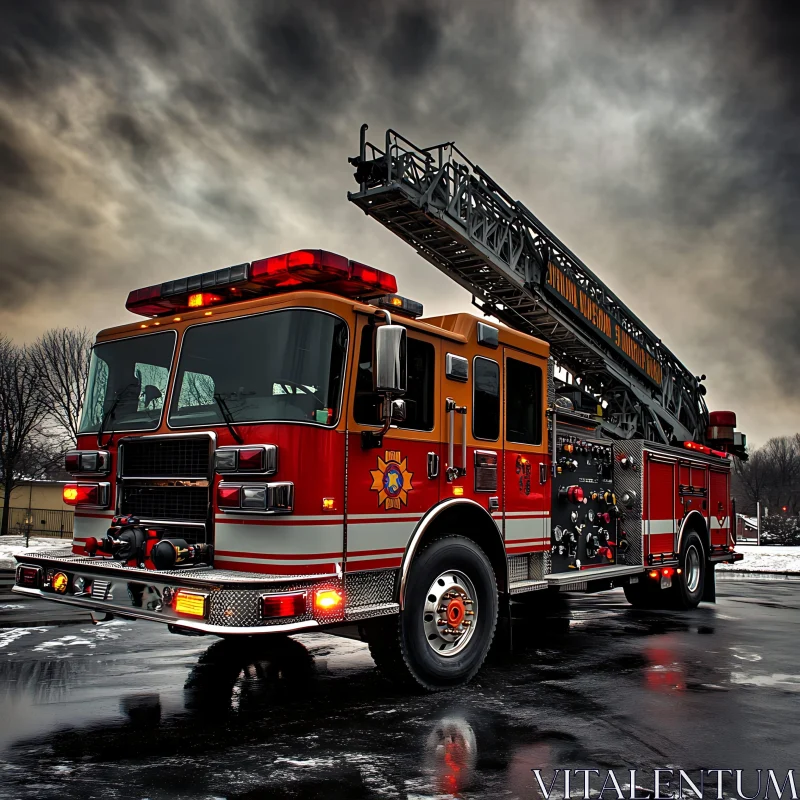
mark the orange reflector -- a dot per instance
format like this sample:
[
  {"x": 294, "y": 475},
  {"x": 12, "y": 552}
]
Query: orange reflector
[
  {"x": 190, "y": 603},
  {"x": 458, "y": 491},
  {"x": 653, "y": 573},
  {"x": 328, "y": 503},
  {"x": 327, "y": 599},
  {"x": 60, "y": 582}
]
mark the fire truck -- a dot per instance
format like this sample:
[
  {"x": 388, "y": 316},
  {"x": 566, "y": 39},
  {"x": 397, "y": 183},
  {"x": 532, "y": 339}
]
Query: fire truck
[{"x": 289, "y": 445}]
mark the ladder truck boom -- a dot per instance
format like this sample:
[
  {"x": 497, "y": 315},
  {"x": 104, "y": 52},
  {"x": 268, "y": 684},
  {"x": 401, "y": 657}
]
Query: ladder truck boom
[{"x": 461, "y": 221}]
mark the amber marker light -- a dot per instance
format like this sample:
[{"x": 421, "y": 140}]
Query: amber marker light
[
  {"x": 653, "y": 573},
  {"x": 190, "y": 603},
  {"x": 70, "y": 494},
  {"x": 328, "y": 503},
  {"x": 60, "y": 582},
  {"x": 327, "y": 599},
  {"x": 458, "y": 491}
]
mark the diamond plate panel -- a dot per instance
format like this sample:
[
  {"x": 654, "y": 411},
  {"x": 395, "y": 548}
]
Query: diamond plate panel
[
  {"x": 369, "y": 588},
  {"x": 630, "y": 480},
  {"x": 538, "y": 566},
  {"x": 517, "y": 568}
]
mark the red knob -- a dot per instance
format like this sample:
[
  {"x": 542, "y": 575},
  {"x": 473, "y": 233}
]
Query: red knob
[
  {"x": 604, "y": 516},
  {"x": 575, "y": 494}
]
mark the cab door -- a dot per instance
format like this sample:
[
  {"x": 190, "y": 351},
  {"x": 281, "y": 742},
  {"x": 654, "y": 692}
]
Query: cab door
[
  {"x": 526, "y": 501},
  {"x": 391, "y": 485}
]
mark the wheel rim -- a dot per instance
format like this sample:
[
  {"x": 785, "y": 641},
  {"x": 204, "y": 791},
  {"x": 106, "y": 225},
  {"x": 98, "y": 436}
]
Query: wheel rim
[
  {"x": 450, "y": 613},
  {"x": 692, "y": 568}
]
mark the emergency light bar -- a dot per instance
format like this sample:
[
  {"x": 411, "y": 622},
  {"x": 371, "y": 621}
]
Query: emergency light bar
[{"x": 317, "y": 269}]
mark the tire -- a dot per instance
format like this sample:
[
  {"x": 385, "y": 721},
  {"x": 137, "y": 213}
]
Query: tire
[
  {"x": 449, "y": 579},
  {"x": 643, "y": 594},
  {"x": 687, "y": 589}
]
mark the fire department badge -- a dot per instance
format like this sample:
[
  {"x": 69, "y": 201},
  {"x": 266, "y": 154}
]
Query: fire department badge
[{"x": 392, "y": 480}]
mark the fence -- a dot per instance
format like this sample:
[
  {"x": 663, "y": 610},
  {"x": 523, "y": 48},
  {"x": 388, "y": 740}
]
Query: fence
[{"x": 42, "y": 522}]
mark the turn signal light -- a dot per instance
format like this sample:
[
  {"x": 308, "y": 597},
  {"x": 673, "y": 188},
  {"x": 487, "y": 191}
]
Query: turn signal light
[
  {"x": 653, "y": 573},
  {"x": 86, "y": 494},
  {"x": 192, "y": 604},
  {"x": 327, "y": 599},
  {"x": 283, "y": 605}
]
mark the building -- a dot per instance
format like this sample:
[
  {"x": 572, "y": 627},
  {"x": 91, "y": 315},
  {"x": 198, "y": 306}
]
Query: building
[{"x": 39, "y": 505}]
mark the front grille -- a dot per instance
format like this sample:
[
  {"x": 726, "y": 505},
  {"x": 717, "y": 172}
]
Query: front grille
[
  {"x": 189, "y": 503},
  {"x": 164, "y": 458}
]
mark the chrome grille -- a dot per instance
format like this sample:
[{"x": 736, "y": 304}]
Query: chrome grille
[
  {"x": 189, "y": 503},
  {"x": 163, "y": 458}
]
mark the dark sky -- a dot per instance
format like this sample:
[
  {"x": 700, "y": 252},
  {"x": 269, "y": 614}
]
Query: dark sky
[{"x": 144, "y": 141}]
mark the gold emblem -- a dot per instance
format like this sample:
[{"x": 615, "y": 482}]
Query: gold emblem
[{"x": 392, "y": 480}]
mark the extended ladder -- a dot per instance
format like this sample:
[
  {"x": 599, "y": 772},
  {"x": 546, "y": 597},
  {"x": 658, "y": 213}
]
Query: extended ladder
[{"x": 456, "y": 217}]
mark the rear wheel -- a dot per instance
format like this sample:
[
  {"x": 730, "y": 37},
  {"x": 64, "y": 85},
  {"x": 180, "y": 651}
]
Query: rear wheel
[
  {"x": 441, "y": 637},
  {"x": 687, "y": 589}
]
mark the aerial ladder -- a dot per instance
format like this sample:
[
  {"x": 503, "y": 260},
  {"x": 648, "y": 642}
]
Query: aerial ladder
[{"x": 461, "y": 221}]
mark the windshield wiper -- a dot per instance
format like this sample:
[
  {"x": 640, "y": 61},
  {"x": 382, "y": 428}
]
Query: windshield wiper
[
  {"x": 110, "y": 415},
  {"x": 228, "y": 417}
]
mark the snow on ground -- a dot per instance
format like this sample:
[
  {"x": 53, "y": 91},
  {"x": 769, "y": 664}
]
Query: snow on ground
[
  {"x": 765, "y": 559},
  {"x": 15, "y": 545}
]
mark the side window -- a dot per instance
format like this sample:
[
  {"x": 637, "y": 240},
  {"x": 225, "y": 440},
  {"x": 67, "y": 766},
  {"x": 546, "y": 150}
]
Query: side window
[
  {"x": 523, "y": 402},
  {"x": 486, "y": 399},
  {"x": 418, "y": 397}
]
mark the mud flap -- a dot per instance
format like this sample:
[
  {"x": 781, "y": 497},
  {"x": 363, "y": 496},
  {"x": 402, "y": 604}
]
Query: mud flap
[{"x": 710, "y": 585}]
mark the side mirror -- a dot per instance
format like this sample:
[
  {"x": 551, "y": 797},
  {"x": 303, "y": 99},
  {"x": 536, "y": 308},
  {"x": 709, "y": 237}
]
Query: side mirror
[{"x": 390, "y": 371}]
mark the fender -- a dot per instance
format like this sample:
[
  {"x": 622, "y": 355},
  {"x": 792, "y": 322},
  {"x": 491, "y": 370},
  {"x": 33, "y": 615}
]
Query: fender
[
  {"x": 704, "y": 527},
  {"x": 425, "y": 523}
]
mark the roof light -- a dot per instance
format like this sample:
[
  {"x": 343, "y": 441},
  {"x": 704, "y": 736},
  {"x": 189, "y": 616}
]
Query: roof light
[
  {"x": 301, "y": 268},
  {"x": 399, "y": 304},
  {"x": 203, "y": 299}
]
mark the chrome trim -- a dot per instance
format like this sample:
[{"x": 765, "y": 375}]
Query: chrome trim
[
  {"x": 692, "y": 513},
  {"x": 221, "y": 424},
  {"x": 169, "y": 381},
  {"x": 270, "y": 460},
  {"x": 280, "y": 498},
  {"x": 105, "y": 456},
  {"x": 451, "y": 362},
  {"x": 175, "y": 522},
  {"x": 419, "y": 531},
  {"x": 589, "y": 575},
  {"x": 202, "y": 483},
  {"x": 179, "y": 622},
  {"x": 105, "y": 490}
]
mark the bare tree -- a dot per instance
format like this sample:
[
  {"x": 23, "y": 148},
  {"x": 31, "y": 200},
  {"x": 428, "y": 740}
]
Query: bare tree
[
  {"x": 61, "y": 359},
  {"x": 22, "y": 409},
  {"x": 771, "y": 476}
]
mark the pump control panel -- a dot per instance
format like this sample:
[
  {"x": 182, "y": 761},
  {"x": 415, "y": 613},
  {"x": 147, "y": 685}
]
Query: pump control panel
[{"x": 585, "y": 517}]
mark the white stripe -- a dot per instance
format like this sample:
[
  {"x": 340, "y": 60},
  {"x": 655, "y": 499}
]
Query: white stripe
[
  {"x": 378, "y": 535},
  {"x": 538, "y": 528},
  {"x": 289, "y": 539},
  {"x": 661, "y": 526},
  {"x": 374, "y": 557},
  {"x": 275, "y": 561},
  {"x": 388, "y": 516}
]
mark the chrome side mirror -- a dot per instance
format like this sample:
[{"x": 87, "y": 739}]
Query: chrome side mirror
[
  {"x": 390, "y": 372},
  {"x": 398, "y": 411}
]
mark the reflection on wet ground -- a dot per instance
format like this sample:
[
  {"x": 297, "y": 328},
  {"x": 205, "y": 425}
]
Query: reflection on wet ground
[{"x": 127, "y": 710}]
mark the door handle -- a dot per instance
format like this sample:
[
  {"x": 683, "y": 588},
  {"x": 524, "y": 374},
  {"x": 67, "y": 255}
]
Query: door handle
[
  {"x": 542, "y": 472},
  {"x": 433, "y": 465}
]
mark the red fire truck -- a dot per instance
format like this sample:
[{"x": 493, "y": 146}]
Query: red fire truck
[{"x": 289, "y": 445}]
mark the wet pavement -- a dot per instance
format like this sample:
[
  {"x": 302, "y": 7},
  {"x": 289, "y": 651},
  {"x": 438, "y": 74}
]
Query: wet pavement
[{"x": 125, "y": 709}]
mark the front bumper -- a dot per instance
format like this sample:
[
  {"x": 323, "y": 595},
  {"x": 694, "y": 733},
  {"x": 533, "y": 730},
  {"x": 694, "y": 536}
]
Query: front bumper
[{"x": 233, "y": 599}]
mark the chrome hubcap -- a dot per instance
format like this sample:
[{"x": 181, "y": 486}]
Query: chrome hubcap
[
  {"x": 450, "y": 613},
  {"x": 692, "y": 568}
]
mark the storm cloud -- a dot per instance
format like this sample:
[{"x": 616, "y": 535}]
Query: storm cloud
[{"x": 145, "y": 141}]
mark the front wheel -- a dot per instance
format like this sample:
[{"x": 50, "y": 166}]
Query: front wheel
[{"x": 441, "y": 637}]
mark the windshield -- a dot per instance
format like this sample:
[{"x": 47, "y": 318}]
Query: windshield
[
  {"x": 127, "y": 383},
  {"x": 281, "y": 366}
]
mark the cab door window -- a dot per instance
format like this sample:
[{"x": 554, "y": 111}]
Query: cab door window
[
  {"x": 419, "y": 395},
  {"x": 523, "y": 402}
]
